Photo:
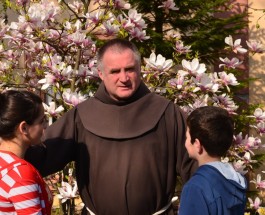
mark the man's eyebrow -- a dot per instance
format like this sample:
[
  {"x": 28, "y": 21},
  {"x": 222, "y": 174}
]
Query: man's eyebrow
[
  {"x": 115, "y": 69},
  {"x": 130, "y": 66},
  {"x": 127, "y": 67}
]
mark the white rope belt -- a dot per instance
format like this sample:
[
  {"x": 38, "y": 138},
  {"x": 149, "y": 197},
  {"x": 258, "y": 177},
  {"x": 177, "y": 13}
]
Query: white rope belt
[
  {"x": 156, "y": 213},
  {"x": 91, "y": 213}
]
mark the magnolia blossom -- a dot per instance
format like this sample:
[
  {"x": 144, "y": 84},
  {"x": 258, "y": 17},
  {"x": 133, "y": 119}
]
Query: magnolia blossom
[
  {"x": 67, "y": 191},
  {"x": 136, "y": 18},
  {"x": 134, "y": 25},
  {"x": 177, "y": 82},
  {"x": 73, "y": 98},
  {"x": 80, "y": 39},
  {"x": 77, "y": 26},
  {"x": 18, "y": 39},
  {"x": 35, "y": 47},
  {"x": 109, "y": 28},
  {"x": 59, "y": 71},
  {"x": 11, "y": 55},
  {"x": 256, "y": 203},
  {"x": 240, "y": 166},
  {"x": 22, "y": 26},
  {"x": 226, "y": 102},
  {"x": 224, "y": 159},
  {"x": 77, "y": 7},
  {"x": 205, "y": 83},
  {"x": 259, "y": 115},
  {"x": 228, "y": 79},
  {"x": 120, "y": 4},
  {"x": 194, "y": 67},
  {"x": 168, "y": 5},
  {"x": 64, "y": 73},
  {"x": 5, "y": 65},
  {"x": 127, "y": 24},
  {"x": 230, "y": 63},
  {"x": 94, "y": 17},
  {"x": 77, "y": 38},
  {"x": 236, "y": 47},
  {"x": 260, "y": 184},
  {"x": 255, "y": 46},
  {"x": 87, "y": 70},
  {"x": 201, "y": 101},
  {"x": 181, "y": 49},
  {"x": 158, "y": 62},
  {"x": 173, "y": 34},
  {"x": 47, "y": 81},
  {"x": 53, "y": 34},
  {"x": 138, "y": 34},
  {"x": 238, "y": 138},
  {"x": 38, "y": 13},
  {"x": 52, "y": 110},
  {"x": 251, "y": 142},
  {"x": 261, "y": 128},
  {"x": 160, "y": 90},
  {"x": 22, "y": 2},
  {"x": 247, "y": 158}
]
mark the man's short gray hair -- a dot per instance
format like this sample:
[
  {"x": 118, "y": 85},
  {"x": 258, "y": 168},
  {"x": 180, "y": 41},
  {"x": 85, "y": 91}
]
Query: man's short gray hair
[{"x": 118, "y": 45}]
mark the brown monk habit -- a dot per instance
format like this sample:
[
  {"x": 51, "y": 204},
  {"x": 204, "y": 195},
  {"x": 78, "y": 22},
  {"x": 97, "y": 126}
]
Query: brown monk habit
[
  {"x": 127, "y": 153},
  {"x": 122, "y": 119}
]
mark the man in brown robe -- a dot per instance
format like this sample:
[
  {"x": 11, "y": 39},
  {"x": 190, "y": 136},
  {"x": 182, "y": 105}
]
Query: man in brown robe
[{"x": 127, "y": 143}]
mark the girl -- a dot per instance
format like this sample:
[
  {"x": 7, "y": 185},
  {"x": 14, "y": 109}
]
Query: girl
[{"x": 22, "y": 122}]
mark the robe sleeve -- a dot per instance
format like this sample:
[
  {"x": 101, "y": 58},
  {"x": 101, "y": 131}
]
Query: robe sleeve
[
  {"x": 192, "y": 201},
  {"x": 58, "y": 148},
  {"x": 185, "y": 166}
]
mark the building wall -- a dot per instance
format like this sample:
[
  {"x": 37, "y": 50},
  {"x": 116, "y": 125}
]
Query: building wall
[{"x": 257, "y": 62}]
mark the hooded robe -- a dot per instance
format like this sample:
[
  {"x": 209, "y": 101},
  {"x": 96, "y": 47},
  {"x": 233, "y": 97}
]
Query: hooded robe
[{"x": 127, "y": 153}]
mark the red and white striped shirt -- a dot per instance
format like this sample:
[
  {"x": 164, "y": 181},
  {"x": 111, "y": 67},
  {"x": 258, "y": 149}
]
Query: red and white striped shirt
[{"x": 22, "y": 189}]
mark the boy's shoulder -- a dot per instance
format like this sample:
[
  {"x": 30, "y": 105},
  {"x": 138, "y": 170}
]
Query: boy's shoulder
[
  {"x": 203, "y": 177},
  {"x": 207, "y": 181},
  {"x": 213, "y": 183}
]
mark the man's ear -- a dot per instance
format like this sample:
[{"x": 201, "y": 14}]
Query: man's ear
[
  {"x": 100, "y": 74},
  {"x": 198, "y": 146}
]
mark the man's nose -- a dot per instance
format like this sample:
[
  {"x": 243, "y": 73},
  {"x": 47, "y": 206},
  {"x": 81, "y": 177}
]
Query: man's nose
[{"x": 124, "y": 76}]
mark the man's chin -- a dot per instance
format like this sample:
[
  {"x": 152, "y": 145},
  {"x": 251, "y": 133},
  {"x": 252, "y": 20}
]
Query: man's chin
[{"x": 125, "y": 95}]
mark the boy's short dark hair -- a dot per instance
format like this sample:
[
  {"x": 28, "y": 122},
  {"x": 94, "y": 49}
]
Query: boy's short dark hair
[{"x": 213, "y": 127}]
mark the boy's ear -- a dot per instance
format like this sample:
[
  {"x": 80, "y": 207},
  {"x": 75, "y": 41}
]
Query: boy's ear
[{"x": 198, "y": 146}]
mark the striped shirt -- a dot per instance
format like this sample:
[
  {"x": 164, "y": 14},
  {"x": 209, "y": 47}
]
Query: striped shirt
[{"x": 22, "y": 189}]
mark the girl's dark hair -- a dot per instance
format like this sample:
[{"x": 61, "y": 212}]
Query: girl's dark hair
[
  {"x": 213, "y": 127},
  {"x": 15, "y": 107}
]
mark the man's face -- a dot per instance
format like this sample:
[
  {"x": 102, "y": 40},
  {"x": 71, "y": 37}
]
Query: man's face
[{"x": 121, "y": 74}]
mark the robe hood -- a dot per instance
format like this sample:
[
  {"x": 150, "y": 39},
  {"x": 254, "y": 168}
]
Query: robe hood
[{"x": 118, "y": 119}]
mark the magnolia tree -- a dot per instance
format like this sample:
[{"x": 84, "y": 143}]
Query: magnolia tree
[{"x": 51, "y": 49}]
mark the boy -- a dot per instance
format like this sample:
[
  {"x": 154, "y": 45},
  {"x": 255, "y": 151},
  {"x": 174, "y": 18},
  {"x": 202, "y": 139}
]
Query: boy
[{"x": 215, "y": 188}]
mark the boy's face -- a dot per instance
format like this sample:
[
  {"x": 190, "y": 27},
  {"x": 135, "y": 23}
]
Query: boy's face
[{"x": 190, "y": 147}]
